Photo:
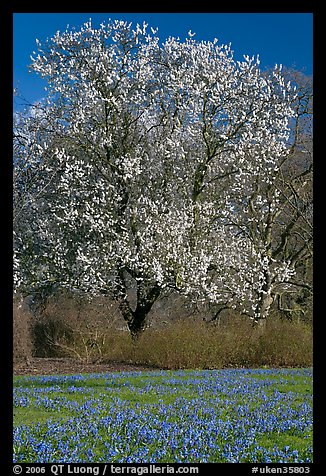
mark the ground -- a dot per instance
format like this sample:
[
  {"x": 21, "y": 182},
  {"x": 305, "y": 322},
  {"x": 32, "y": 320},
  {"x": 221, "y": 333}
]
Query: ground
[{"x": 65, "y": 366}]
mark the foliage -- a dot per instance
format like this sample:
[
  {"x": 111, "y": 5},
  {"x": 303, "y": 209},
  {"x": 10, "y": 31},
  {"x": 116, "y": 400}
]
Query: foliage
[{"x": 151, "y": 166}]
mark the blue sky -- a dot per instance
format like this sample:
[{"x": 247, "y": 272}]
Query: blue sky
[{"x": 284, "y": 38}]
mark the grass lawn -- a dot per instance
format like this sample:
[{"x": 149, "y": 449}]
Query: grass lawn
[{"x": 237, "y": 415}]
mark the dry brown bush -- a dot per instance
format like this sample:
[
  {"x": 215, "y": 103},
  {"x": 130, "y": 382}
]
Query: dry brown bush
[
  {"x": 194, "y": 344},
  {"x": 22, "y": 344},
  {"x": 75, "y": 327},
  {"x": 94, "y": 331}
]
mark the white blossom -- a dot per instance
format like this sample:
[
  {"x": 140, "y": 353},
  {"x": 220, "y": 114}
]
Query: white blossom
[{"x": 147, "y": 162}]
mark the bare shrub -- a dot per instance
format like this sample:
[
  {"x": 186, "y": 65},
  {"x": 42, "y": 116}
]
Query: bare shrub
[
  {"x": 235, "y": 343},
  {"x": 285, "y": 344},
  {"x": 22, "y": 343},
  {"x": 74, "y": 326},
  {"x": 93, "y": 330}
]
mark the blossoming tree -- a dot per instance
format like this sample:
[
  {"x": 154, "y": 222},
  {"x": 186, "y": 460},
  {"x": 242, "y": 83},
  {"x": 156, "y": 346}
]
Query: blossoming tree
[{"x": 142, "y": 167}]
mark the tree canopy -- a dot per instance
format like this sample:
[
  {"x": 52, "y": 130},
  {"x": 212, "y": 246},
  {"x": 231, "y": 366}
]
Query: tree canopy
[{"x": 153, "y": 165}]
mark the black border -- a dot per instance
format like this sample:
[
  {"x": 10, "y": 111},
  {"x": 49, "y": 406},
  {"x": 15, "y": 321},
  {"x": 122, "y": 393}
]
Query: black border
[{"x": 6, "y": 32}]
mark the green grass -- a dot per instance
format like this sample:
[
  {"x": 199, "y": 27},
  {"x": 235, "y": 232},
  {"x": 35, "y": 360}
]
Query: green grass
[
  {"x": 258, "y": 415},
  {"x": 296, "y": 385},
  {"x": 33, "y": 415}
]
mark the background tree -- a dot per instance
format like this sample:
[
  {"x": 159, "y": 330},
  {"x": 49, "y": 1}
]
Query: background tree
[
  {"x": 149, "y": 161},
  {"x": 278, "y": 216},
  {"x": 293, "y": 234}
]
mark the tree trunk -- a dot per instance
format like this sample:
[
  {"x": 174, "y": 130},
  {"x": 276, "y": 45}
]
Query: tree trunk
[
  {"x": 136, "y": 319},
  {"x": 137, "y": 325},
  {"x": 264, "y": 304},
  {"x": 260, "y": 325}
]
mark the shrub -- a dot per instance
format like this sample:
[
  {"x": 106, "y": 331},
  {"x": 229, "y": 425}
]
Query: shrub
[
  {"x": 235, "y": 343},
  {"x": 22, "y": 343},
  {"x": 94, "y": 331},
  {"x": 74, "y": 326}
]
